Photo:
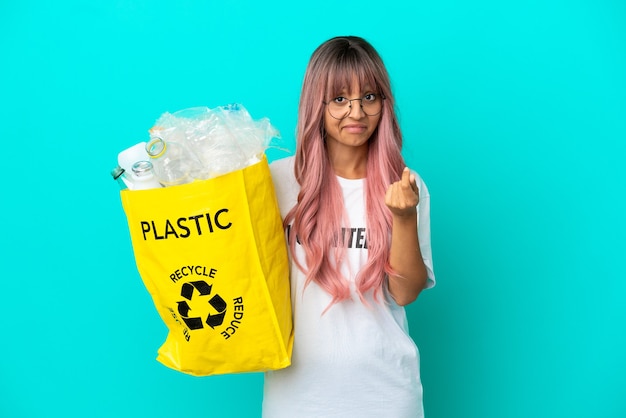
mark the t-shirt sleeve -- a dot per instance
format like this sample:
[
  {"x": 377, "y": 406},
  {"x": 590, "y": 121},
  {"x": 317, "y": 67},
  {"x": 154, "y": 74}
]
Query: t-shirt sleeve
[
  {"x": 285, "y": 184},
  {"x": 423, "y": 229}
]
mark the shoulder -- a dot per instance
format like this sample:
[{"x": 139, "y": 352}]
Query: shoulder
[
  {"x": 285, "y": 183},
  {"x": 282, "y": 167}
]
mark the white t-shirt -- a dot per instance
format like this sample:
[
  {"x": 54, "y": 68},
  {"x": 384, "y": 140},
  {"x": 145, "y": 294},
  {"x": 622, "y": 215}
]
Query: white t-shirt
[{"x": 353, "y": 360}]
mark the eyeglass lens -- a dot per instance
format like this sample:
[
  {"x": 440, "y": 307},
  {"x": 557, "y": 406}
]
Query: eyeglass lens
[{"x": 340, "y": 107}]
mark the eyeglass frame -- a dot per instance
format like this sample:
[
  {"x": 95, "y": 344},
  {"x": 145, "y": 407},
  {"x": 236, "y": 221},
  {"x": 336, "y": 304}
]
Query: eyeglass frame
[{"x": 382, "y": 98}]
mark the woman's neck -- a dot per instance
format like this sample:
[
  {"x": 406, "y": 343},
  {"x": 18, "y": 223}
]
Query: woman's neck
[{"x": 349, "y": 162}]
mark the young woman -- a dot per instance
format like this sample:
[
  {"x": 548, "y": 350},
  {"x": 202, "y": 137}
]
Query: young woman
[{"x": 357, "y": 222}]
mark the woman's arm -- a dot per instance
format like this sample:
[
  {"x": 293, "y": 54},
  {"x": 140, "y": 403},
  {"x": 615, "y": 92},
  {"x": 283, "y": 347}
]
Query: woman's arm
[{"x": 405, "y": 256}]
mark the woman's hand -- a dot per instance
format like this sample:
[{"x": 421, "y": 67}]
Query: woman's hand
[{"x": 402, "y": 196}]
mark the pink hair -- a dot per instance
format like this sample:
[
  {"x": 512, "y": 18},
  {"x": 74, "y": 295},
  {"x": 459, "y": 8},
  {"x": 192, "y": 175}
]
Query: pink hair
[{"x": 319, "y": 214}]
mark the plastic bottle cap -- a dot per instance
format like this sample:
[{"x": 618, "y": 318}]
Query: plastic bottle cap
[
  {"x": 142, "y": 168},
  {"x": 156, "y": 147},
  {"x": 116, "y": 172}
]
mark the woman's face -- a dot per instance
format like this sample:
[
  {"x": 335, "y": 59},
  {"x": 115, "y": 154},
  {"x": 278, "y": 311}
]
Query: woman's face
[{"x": 355, "y": 129}]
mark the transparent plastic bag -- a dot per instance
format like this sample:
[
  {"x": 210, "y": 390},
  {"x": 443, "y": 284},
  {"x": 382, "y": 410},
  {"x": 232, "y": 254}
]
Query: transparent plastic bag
[{"x": 217, "y": 141}]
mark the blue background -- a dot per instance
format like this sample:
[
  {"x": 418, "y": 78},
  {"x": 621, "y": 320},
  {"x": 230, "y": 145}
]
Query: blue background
[{"x": 514, "y": 114}]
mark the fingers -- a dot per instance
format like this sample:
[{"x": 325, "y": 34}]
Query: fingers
[
  {"x": 402, "y": 196},
  {"x": 409, "y": 180},
  {"x": 414, "y": 184}
]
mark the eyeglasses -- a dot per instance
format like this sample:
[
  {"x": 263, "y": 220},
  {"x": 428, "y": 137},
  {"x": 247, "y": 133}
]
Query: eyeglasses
[{"x": 340, "y": 107}]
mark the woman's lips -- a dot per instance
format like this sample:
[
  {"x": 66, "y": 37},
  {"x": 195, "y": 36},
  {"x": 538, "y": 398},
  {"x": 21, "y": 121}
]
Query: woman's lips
[{"x": 355, "y": 129}]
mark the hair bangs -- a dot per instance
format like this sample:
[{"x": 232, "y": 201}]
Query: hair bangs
[{"x": 351, "y": 66}]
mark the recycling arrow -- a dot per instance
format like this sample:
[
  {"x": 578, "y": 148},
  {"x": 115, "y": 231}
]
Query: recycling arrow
[
  {"x": 192, "y": 323},
  {"x": 187, "y": 290},
  {"x": 220, "y": 306}
]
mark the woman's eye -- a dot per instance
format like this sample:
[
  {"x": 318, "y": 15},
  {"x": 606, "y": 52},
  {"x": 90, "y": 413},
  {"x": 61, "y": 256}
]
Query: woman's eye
[
  {"x": 340, "y": 100},
  {"x": 370, "y": 97}
]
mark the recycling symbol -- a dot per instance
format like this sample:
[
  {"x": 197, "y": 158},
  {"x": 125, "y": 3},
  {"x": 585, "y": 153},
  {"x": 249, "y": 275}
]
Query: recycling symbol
[{"x": 203, "y": 290}]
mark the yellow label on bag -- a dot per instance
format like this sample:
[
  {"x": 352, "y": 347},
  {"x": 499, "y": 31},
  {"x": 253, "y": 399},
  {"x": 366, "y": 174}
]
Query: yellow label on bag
[{"x": 213, "y": 256}]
